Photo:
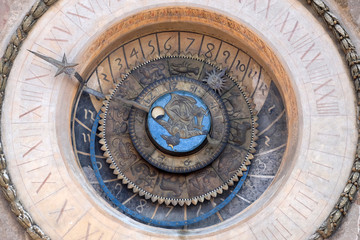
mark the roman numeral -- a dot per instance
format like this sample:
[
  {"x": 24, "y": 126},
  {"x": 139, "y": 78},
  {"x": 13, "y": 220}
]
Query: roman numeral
[
  {"x": 34, "y": 96},
  {"x": 81, "y": 12},
  {"x": 43, "y": 182},
  {"x": 31, "y": 148},
  {"x": 254, "y": 5},
  {"x": 326, "y": 103},
  {"x": 60, "y": 34},
  {"x": 288, "y": 27}
]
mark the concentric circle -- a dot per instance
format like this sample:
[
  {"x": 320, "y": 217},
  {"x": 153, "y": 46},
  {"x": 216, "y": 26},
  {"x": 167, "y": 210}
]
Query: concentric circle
[
  {"x": 204, "y": 169},
  {"x": 181, "y": 144},
  {"x": 178, "y": 123}
]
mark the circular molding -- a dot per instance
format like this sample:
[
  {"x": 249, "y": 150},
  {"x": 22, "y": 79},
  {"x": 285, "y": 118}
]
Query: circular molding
[{"x": 351, "y": 56}]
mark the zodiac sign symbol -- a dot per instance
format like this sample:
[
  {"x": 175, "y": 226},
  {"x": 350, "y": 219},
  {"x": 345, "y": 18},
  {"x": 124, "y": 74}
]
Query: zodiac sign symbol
[
  {"x": 144, "y": 173},
  {"x": 172, "y": 183},
  {"x": 185, "y": 119},
  {"x": 154, "y": 72},
  {"x": 238, "y": 132},
  {"x": 125, "y": 150},
  {"x": 202, "y": 180},
  {"x": 183, "y": 69}
]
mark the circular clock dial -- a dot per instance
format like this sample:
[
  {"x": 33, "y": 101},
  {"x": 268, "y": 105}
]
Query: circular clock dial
[
  {"x": 150, "y": 121},
  {"x": 305, "y": 122}
]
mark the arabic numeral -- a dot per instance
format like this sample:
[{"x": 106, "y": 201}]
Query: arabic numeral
[
  {"x": 118, "y": 60},
  {"x": 152, "y": 46},
  {"x": 134, "y": 53},
  {"x": 210, "y": 47},
  {"x": 227, "y": 54},
  {"x": 166, "y": 45},
  {"x": 240, "y": 66}
]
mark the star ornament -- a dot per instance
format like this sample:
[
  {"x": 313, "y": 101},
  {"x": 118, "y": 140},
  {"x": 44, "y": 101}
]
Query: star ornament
[{"x": 62, "y": 66}]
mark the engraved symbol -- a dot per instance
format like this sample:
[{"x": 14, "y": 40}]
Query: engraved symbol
[
  {"x": 267, "y": 141},
  {"x": 125, "y": 150},
  {"x": 215, "y": 80},
  {"x": 172, "y": 183},
  {"x": 144, "y": 173},
  {"x": 183, "y": 69},
  {"x": 271, "y": 108},
  {"x": 202, "y": 180},
  {"x": 238, "y": 132},
  {"x": 185, "y": 119},
  {"x": 140, "y": 207},
  {"x": 187, "y": 162},
  {"x": 152, "y": 73}
]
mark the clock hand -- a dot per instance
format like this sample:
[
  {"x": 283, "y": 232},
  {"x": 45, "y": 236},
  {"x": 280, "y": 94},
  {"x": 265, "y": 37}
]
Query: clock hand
[
  {"x": 63, "y": 66},
  {"x": 68, "y": 68}
]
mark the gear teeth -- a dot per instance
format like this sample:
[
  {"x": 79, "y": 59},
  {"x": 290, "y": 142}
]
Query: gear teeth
[
  {"x": 186, "y": 201},
  {"x": 154, "y": 198},
  {"x": 188, "y": 55},
  {"x": 136, "y": 189},
  {"x": 147, "y": 196},
  {"x": 213, "y": 194},
  {"x": 207, "y": 196},
  {"x": 231, "y": 183},
  {"x": 174, "y": 202},
  {"x": 236, "y": 178}
]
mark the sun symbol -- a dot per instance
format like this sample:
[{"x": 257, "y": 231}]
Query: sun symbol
[{"x": 214, "y": 79}]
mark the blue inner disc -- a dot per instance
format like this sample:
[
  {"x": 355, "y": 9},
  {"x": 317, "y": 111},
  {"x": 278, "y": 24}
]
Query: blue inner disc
[{"x": 180, "y": 122}]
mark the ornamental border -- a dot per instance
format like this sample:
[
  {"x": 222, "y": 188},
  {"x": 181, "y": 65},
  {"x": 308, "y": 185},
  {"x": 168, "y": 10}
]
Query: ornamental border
[{"x": 327, "y": 228}]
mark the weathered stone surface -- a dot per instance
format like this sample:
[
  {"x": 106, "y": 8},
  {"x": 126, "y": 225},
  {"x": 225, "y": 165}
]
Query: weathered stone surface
[{"x": 11, "y": 13}]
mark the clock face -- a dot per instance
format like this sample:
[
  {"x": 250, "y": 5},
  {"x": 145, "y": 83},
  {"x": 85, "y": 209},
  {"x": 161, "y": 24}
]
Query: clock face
[
  {"x": 185, "y": 121},
  {"x": 169, "y": 173}
]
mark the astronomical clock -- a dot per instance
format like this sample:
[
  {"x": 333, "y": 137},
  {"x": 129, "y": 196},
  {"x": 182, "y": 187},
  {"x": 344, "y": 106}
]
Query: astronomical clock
[{"x": 179, "y": 120}]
